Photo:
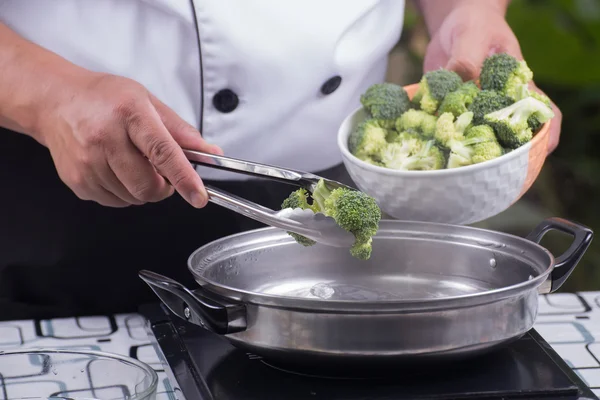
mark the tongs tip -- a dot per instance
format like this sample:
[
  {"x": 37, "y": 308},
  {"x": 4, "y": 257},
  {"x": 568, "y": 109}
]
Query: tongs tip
[{"x": 318, "y": 227}]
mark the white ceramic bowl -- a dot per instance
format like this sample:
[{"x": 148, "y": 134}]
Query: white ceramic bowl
[{"x": 461, "y": 196}]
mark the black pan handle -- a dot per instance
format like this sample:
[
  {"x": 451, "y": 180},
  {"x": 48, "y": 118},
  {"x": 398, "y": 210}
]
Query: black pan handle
[
  {"x": 218, "y": 316},
  {"x": 566, "y": 263}
]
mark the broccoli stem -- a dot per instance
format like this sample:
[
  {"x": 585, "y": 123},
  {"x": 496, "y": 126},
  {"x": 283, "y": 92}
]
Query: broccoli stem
[{"x": 320, "y": 194}]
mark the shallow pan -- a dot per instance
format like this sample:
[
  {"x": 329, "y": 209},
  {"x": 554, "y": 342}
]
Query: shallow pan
[{"x": 429, "y": 292}]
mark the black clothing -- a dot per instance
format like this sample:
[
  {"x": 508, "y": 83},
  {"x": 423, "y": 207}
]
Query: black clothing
[{"x": 61, "y": 256}]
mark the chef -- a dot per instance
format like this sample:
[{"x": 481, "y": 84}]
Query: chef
[{"x": 97, "y": 98}]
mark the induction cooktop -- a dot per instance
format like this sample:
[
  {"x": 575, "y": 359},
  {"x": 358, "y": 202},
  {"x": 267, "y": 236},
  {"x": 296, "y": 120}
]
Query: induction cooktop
[{"x": 204, "y": 366}]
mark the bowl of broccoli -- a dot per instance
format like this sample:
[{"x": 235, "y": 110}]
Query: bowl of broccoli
[{"x": 445, "y": 150}]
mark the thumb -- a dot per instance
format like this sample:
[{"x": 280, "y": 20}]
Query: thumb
[
  {"x": 184, "y": 134},
  {"x": 469, "y": 48},
  {"x": 436, "y": 56},
  {"x": 467, "y": 54}
]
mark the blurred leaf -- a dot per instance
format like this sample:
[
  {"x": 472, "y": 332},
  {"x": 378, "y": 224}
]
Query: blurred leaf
[
  {"x": 411, "y": 16},
  {"x": 588, "y": 10},
  {"x": 560, "y": 39}
]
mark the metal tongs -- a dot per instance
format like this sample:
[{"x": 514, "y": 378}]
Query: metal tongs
[{"x": 315, "y": 226}]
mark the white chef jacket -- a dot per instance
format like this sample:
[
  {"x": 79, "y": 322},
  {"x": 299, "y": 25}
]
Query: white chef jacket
[{"x": 266, "y": 80}]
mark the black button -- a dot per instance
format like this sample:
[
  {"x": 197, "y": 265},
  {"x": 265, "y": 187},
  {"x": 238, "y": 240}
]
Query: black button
[
  {"x": 225, "y": 100},
  {"x": 331, "y": 85}
]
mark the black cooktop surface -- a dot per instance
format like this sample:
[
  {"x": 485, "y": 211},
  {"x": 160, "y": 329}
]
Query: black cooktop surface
[{"x": 206, "y": 367}]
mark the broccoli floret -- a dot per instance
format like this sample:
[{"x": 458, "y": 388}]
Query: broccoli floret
[
  {"x": 433, "y": 87},
  {"x": 479, "y": 145},
  {"x": 373, "y": 161},
  {"x": 299, "y": 199},
  {"x": 445, "y": 130},
  {"x": 352, "y": 210},
  {"x": 457, "y": 102},
  {"x": 368, "y": 139},
  {"x": 362, "y": 250},
  {"x": 395, "y": 154},
  {"x": 396, "y": 137},
  {"x": 505, "y": 74},
  {"x": 541, "y": 97},
  {"x": 413, "y": 154},
  {"x": 532, "y": 121},
  {"x": 391, "y": 136},
  {"x": 463, "y": 121},
  {"x": 486, "y": 102},
  {"x": 408, "y": 134},
  {"x": 388, "y": 124},
  {"x": 534, "y": 124},
  {"x": 430, "y": 157},
  {"x": 448, "y": 129},
  {"x": 417, "y": 121},
  {"x": 510, "y": 123},
  {"x": 385, "y": 101},
  {"x": 428, "y": 126}
]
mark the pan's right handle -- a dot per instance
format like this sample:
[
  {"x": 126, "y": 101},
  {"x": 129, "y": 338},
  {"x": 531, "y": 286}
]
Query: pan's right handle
[
  {"x": 566, "y": 263},
  {"x": 214, "y": 315}
]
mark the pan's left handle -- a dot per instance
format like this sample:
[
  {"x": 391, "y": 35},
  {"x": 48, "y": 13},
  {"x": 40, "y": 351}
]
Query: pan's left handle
[
  {"x": 218, "y": 316},
  {"x": 566, "y": 263}
]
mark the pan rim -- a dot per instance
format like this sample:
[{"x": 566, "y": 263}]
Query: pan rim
[{"x": 279, "y": 237}]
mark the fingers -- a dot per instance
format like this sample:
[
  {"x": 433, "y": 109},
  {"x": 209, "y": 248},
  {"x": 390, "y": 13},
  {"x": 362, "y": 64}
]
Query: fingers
[
  {"x": 132, "y": 177},
  {"x": 80, "y": 173},
  {"x": 435, "y": 56},
  {"x": 91, "y": 188},
  {"x": 124, "y": 154},
  {"x": 111, "y": 183},
  {"x": 467, "y": 50},
  {"x": 151, "y": 137},
  {"x": 104, "y": 197},
  {"x": 467, "y": 54},
  {"x": 184, "y": 134}
]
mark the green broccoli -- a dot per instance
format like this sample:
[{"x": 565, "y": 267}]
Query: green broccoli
[
  {"x": 368, "y": 139},
  {"x": 448, "y": 129},
  {"x": 478, "y": 145},
  {"x": 391, "y": 136},
  {"x": 395, "y": 136},
  {"x": 373, "y": 161},
  {"x": 532, "y": 121},
  {"x": 395, "y": 154},
  {"x": 417, "y": 121},
  {"x": 457, "y": 102},
  {"x": 448, "y": 122},
  {"x": 352, "y": 210},
  {"x": 485, "y": 102},
  {"x": 433, "y": 87},
  {"x": 505, "y": 74},
  {"x": 408, "y": 134},
  {"x": 299, "y": 199},
  {"x": 511, "y": 123},
  {"x": 385, "y": 101},
  {"x": 411, "y": 153},
  {"x": 388, "y": 124}
]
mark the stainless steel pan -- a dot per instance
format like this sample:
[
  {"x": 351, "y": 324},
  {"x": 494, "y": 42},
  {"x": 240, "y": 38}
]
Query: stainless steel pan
[{"x": 430, "y": 292}]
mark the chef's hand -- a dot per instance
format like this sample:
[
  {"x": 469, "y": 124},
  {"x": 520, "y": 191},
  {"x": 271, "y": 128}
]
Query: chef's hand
[
  {"x": 465, "y": 32},
  {"x": 113, "y": 142}
]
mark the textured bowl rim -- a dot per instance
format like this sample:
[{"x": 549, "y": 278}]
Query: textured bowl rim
[
  {"x": 148, "y": 370},
  {"x": 343, "y": 136}
]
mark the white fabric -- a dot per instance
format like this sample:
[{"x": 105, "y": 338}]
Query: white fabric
[{"x": 275, "y": 55}]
